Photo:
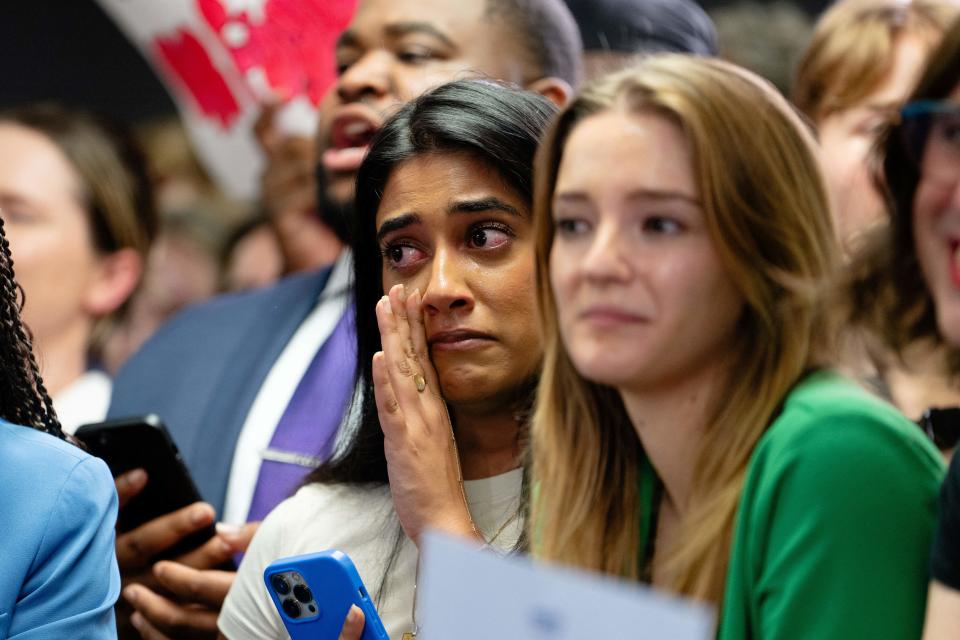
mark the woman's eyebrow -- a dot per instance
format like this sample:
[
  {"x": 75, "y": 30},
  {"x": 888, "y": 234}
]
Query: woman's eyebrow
[
  {"x": 484, "y": 204},
  {"x": 653, "y": 195},
  {"x": 12, "y": 200},
  {"x": 396, "y": 223},
  {"x": 662, "y": 194},
  {"x": 571, "y": 196}
]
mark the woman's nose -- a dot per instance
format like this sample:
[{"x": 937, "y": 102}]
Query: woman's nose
[
  {"x": 607, "y": 258},
  {"x": 448, "y": 287}
]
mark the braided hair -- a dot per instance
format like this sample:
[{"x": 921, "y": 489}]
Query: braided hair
[{"x": 23, "y": 398}]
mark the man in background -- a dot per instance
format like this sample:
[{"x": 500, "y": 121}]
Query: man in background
[{"x": 614, "y": 32}]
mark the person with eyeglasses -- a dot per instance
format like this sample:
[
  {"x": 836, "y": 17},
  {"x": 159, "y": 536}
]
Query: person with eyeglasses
[
  {"x": 862, "y": 61},
  {"x": 932, "y": 129},
  {"x": 905, "y": 283}
]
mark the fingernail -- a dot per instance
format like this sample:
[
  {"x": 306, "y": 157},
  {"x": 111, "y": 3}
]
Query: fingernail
[
  {"x": 136, "y": 620},
  {"x": 229, "y": 530},
  {"x": 135, "y": 477},
  {"x": 130, "y": 595},
  {"x": 353, "y": 617},
  {"x": 201, "y": 514}
]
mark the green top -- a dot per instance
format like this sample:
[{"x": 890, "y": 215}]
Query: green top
[{"x": 832, "y": 535}]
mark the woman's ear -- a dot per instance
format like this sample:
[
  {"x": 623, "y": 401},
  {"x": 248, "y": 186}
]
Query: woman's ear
[
  {"x": 556, "y": 90},
  {"x": 118, "y": 274}
]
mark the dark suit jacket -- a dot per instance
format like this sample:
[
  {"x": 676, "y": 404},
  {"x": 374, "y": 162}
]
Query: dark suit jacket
[{"x": 202, "y": 370}]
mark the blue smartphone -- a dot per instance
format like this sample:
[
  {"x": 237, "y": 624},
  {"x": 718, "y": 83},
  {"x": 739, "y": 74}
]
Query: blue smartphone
[{"x": 313, "y": 594}]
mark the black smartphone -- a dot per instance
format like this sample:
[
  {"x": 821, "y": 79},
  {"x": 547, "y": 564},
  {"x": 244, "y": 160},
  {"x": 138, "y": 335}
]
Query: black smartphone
[{"x": 143, "y": 442}]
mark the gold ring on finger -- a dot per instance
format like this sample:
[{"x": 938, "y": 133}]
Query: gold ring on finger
[{"x": 420, "y": 381}]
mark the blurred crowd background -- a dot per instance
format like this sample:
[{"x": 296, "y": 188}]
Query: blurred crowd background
[{"x": 70, "y": 52}]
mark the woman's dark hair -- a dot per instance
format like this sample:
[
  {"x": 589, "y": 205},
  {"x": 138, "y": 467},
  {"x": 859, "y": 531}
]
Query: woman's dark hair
[
  {"x": 23, "y": 398},
  {"x": 493, "y": 123},
  {"x": 885, "y": 286}
]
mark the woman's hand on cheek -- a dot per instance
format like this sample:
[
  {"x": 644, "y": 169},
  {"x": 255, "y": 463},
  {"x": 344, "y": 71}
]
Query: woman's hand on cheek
[{"x": 422, "y": 462}]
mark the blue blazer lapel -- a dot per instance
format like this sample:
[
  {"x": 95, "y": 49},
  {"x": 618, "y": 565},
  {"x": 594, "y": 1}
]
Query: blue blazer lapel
[{"x": 242, "y": 377}]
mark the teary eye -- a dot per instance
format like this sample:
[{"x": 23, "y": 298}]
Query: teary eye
[
  {"x": 489, "y": 236},
  {"x": 401, "y": 255}
]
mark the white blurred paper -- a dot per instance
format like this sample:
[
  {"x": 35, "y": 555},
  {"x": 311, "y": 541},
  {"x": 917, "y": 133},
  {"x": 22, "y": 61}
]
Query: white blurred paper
[{"x": 477, "y": 595}]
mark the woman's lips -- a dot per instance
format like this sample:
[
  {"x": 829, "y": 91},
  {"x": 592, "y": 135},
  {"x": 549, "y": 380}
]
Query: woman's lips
[
  {"x": 459, "y": 340},
  {"x": 605, "y": 317}
]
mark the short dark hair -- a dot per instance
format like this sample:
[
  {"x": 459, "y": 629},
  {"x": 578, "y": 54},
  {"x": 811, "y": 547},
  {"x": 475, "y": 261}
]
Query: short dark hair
[
  {"x": 644, "y": 26},
  {"x": 547, "y": 33},
  {"x": 886, "y": 288}
]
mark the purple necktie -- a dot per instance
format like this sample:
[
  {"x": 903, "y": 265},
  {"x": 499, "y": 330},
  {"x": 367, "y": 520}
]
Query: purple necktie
[{"x": 309, "y": 424}]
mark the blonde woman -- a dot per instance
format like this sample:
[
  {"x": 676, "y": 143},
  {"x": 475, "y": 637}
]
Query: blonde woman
[
  {"x": 860, "y": 65},
  {"x": 688, "y": 432}
]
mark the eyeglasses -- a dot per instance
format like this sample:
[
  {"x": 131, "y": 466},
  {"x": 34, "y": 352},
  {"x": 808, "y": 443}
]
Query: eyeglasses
[{"x": 931, "y": 136}]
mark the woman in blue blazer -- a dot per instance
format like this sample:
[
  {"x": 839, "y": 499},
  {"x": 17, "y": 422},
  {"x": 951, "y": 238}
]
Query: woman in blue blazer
[{"x": 58, "y": 506}]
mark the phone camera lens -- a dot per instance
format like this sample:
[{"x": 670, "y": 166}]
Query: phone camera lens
[
  {"x": 280, "y": 585},
  {"x": 291, "y": 608},
  {"x": 302, "y": 593}
]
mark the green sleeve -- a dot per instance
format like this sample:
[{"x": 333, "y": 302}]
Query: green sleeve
[{"x": 834, "y": 530}]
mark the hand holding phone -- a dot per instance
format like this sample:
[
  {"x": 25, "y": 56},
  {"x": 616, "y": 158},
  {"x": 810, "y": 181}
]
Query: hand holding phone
[
  {"x": 143, "y": 443},
  {"x": 314, "y": 593}
]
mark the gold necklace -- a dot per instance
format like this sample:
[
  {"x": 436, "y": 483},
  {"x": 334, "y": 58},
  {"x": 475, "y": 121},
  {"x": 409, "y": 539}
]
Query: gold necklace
[
  {"x": 488, "y": 544},
  {"x": 411, "y": 635}
]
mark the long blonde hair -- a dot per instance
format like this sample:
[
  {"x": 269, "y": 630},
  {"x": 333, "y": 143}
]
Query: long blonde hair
[{"x": 766, "y": 208}]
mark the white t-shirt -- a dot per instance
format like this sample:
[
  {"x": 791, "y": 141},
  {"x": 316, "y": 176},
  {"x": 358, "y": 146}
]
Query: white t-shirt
[
  {"x": 361, "y": 522},
  {"x": 86, "y": 400}
]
